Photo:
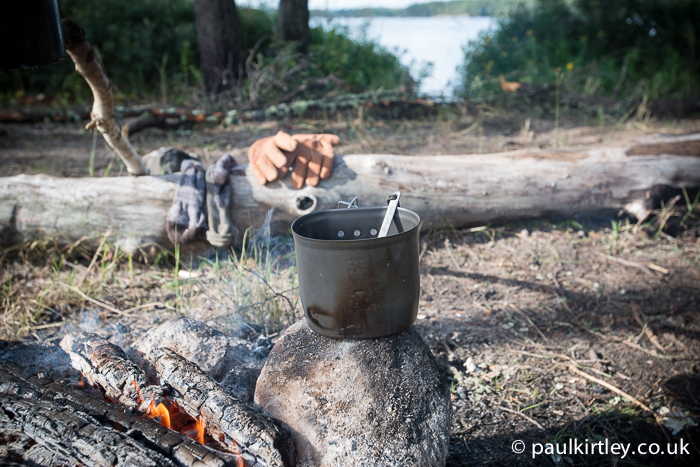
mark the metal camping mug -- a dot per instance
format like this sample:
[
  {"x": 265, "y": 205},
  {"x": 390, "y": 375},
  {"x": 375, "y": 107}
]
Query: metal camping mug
[{"x": 354, "y": 284}]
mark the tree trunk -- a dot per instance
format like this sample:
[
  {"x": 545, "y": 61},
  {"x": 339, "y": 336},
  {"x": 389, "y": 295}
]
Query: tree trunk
[
  {"x": 294, "y": 21},
  {"x": 220, "y": 43},
  {"x": 456, "y": 191}
]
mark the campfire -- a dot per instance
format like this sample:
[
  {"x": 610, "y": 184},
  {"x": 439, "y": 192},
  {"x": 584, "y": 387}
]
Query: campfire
[
  {"x": 153, "y": 401},
  {"x": 187, "y": 395}
]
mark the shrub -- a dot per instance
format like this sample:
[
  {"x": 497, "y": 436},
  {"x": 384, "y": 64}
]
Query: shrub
[
  {"x": 618, "y": 47},
  {"x": 138, "y": 42},
  {"x": 149, "y": 51}
]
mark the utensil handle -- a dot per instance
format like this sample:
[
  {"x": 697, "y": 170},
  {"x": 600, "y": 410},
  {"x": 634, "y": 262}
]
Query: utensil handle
[{"x": 390, "y": 212}]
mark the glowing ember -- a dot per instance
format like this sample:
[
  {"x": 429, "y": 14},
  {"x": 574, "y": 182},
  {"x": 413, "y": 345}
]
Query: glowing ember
[{"x": 161, "y": 413}]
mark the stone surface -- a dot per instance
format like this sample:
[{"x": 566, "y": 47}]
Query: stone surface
[{"x": 357, "y": 402}]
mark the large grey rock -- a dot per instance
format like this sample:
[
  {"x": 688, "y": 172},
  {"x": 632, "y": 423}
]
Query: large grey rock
[{"x": 357, "y": 402}]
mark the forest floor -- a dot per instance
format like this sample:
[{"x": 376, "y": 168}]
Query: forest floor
[{"x": 550, "y": 331}]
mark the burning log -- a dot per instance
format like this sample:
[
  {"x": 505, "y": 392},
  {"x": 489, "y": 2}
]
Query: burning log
[
  {"x": 231, "y": 422},
  {"x": 67, "y": 426},
  {"x": 462, "y": 190},
  {"x": 243, "y": 431},
  {"x": 106, "y": 365},
  {"x": 73, "y": 436}
]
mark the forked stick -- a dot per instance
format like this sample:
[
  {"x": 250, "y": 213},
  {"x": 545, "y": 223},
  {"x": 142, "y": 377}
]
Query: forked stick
[{"x": 102, "y": 114}]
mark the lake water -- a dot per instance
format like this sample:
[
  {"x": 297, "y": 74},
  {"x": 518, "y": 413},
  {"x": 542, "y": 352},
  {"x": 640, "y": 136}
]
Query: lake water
[{"x": 435, "y": 41}]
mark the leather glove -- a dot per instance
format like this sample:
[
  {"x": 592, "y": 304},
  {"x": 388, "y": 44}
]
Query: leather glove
[
  {"x": 186, "y": 221},
  {"x": 313, "y": 159},
  {"x": 311, "y": 154},
  {"x": 268, "y": 161}
]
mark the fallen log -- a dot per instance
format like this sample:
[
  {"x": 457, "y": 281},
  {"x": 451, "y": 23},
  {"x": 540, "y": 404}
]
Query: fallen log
[
  {"x": 384, "y": 104},
  {"x": 456, "y": 191}
]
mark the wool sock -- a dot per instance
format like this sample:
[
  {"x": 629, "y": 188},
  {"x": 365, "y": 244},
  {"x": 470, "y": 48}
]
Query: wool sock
[
  {"x": 222, "y": 232},
  {"x": 186, "y": 222}
]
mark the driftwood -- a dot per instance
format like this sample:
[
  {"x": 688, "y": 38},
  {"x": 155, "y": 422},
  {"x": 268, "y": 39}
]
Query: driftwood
[
  {"x": 102, "y": 114},
  {"x": 58, "y": 425},
  {"x": 457, "y": 191}
]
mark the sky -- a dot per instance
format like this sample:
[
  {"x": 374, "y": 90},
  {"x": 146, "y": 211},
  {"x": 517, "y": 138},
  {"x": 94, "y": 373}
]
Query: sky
[{"x": 338, "y": 4}]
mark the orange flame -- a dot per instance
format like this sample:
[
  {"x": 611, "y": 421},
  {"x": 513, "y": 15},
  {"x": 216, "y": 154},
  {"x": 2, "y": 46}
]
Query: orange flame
[
  {"x": 161, "y": 412},
  {"x": 200, "y": 431}
]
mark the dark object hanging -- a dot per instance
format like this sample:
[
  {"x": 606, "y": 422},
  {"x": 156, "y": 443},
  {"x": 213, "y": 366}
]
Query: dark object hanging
[{"x": 30, "y": 34}]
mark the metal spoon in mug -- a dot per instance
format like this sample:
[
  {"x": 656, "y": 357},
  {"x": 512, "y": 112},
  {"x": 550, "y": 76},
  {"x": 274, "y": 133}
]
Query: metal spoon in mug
[{"x": 389, "y": 216}]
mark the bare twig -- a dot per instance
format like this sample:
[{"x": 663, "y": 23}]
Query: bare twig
[
  {"x": 454, "y": 260},
  {"x": 652, "y": 352},
  {"x": 619, "y": 392},
  {"x": 531, "y": 420},
  {"x": 107, "y": 234},
  {"x": 522, "y": 313},
  {"x": 102, "y": 114},
  {"x": 625, "y": 262},
  {"x": 92, "y": 300}
]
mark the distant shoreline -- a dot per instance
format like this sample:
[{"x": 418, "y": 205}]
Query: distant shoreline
[
  {"x": 334, "y": 14},
  {"x": 487, "y": 8}
]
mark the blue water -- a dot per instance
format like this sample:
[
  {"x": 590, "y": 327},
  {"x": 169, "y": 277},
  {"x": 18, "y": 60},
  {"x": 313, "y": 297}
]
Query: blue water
[{"x": 433, "y": 44}]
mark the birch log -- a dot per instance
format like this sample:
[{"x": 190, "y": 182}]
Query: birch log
[{"x": 457, "y": 191}]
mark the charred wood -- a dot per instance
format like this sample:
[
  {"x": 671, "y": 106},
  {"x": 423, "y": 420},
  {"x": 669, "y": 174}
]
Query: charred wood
[
  {"x": 230, "y": 421},
  {"x": 106, "y": 365},
  {"x": 75, "y": 436},
  {"x": 20, "y": 395}
]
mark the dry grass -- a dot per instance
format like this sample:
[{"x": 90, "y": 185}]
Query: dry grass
[{"x": 48, "y": 290}]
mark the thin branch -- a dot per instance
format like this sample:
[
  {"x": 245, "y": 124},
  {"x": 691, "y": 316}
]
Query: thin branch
[
  {"x": 531, "y": 420},
  {"x": 620, "y": 392},
  {"x": 102, "y": 114}
]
